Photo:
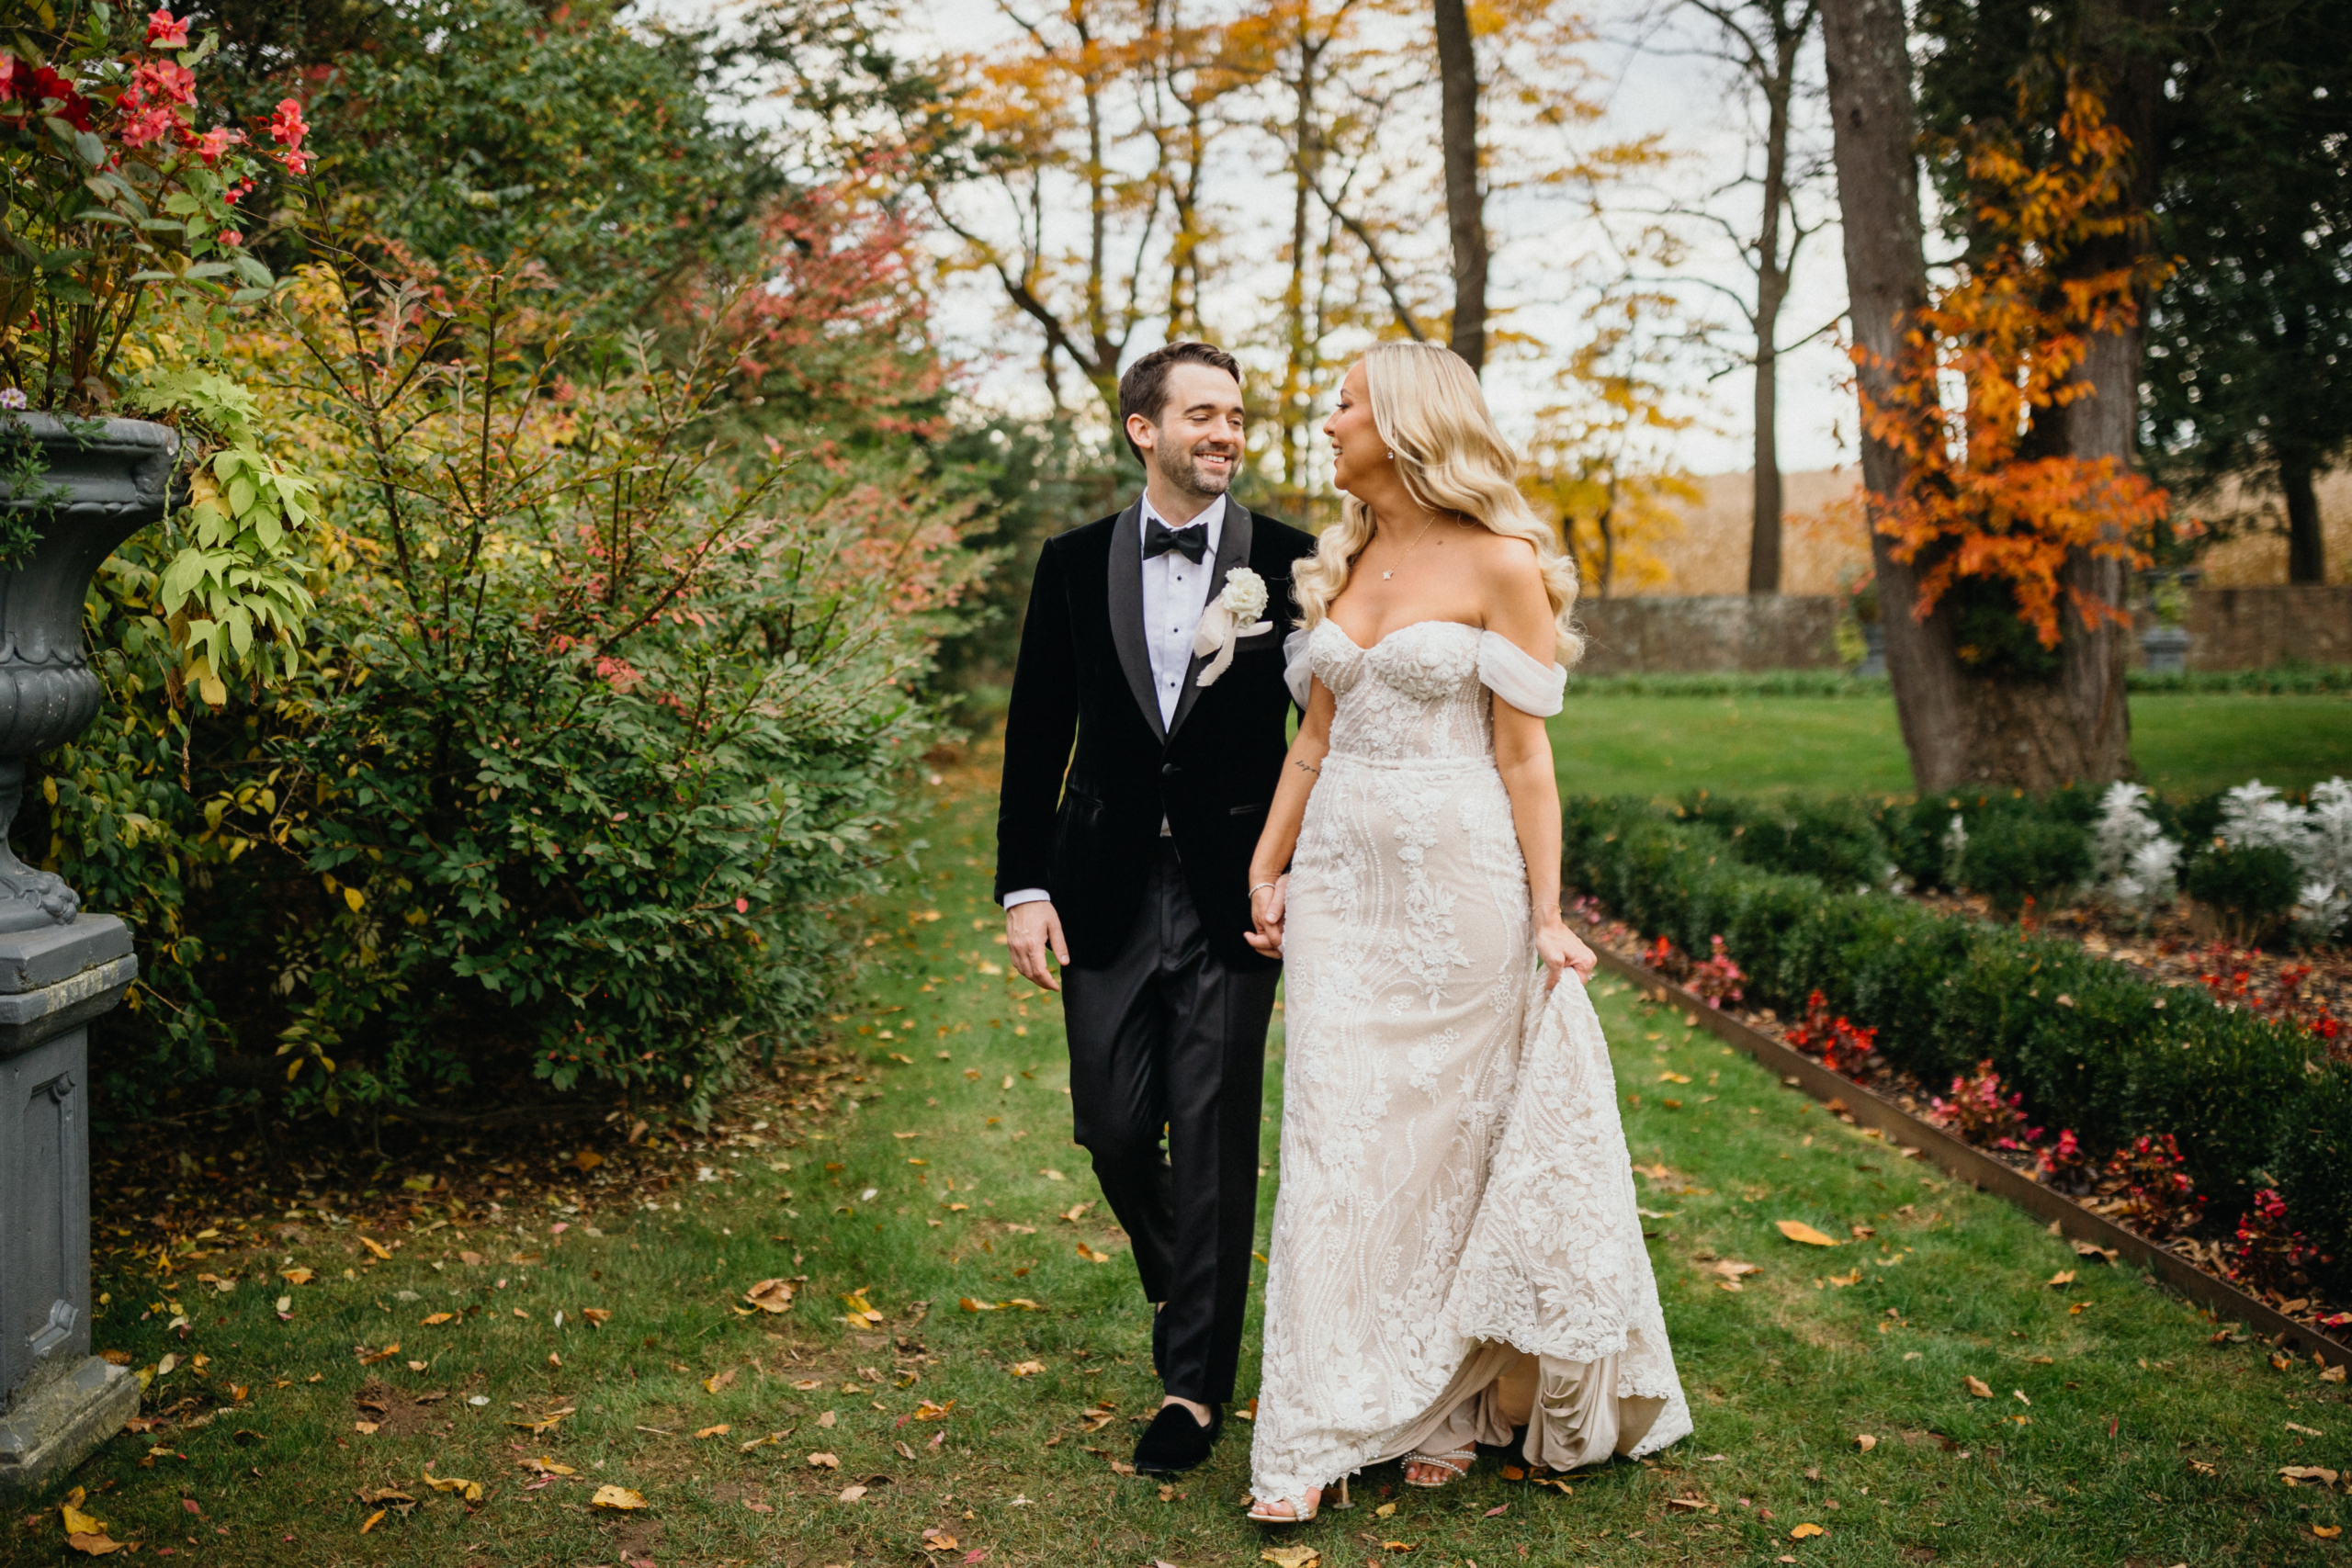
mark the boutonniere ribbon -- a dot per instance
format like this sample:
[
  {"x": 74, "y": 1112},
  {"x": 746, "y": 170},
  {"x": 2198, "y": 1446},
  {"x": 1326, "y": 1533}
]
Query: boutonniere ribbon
[{"x": 1230, "y": 617}]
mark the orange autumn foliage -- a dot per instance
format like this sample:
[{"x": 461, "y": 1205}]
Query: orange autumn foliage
[{"x": 2012, "y": 332}]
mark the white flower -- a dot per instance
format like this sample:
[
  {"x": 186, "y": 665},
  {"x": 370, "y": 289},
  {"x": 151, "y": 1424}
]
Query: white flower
[{"x": 1245, "y": 594}]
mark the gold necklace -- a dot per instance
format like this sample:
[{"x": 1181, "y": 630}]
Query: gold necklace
[{"x": 1410, "y": 549}]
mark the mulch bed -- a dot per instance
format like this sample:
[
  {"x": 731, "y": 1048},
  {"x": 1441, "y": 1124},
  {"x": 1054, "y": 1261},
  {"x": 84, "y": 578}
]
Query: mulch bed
[{"x": 2131, "y": 1194}]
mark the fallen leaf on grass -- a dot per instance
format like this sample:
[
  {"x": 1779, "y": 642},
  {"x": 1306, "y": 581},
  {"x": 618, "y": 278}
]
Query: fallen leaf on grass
[
  {"x": 76, "y": 1522},
  {"x": 1802, "y": 1531},
  {"x": 2327, "y": 1532},
  {"x": 545, "y": 1423},
  {"x": 1120, "y": 1467},
  {"x": 852, "y": 1493},
  {"x": 1049, "y": 1175},
  {"x": 1673, "y": 1078},
  {"x": 927, "y": 1411},
  {"x": 1026, "y": 1369},
  {"x": 1291, "y": 1556},
  {"x": 937, "y": 1540},
  {"x": 372, "y": 1520},
  {"x": 2201, "y": 1468},
  {"x": 367, "y": 1358},
  {"x": 718, "y": 1431},
  {"x": 2089, "y": 1249},
  {"x": 1797, "y": 1230},
  {"x": 804, "y": 1385},
  {"x": 1076, "y": 1212},
  {"x": 1497, "y": 1508},
  {"x": 1383, "y": 1511},
  {"x": 1090, "y": 1255},
  {"x": 2306, "y": 1431},
  {"x": 2293, "y": 1473},
  {"x": 469, "y": 1489},
  {"x": 434, "y": 1320},
  {"x": 382, "y": 1252},
  {"x": 543, "y": 1465},
  {"x": 861, "y": 1311},
  {"x": 2064, "y": 1277},
  {"x": 771, "y": 1295},
  {"x": 617, "y": 1497},
  {"x": 824, "y": 1462},
  {"x": 1977, "y": 1387},
  {"x": 718, "y": 1381},
  {"x": 1865, "y": 1442},
  {"x": 1395, "y": 1546},
  {"x": 597, "y": 1316},
  {"x": 297, "y": 1275}
]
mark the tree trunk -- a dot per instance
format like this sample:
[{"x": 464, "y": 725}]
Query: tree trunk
[
  {"x": 1875, "y": 138},
  {"x": 1457, "y": 72},
  {"x": 2306, "y": 548},
  {"x": 1771, "y": 291}
]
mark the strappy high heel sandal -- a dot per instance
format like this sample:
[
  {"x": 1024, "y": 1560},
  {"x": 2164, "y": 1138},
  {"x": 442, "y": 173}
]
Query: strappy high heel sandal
[
  {"x": 1456, "y": 1460},
  {"x": 1302, "y": 1512}
]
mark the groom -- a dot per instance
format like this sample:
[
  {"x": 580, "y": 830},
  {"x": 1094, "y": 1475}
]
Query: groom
[{"x": 1128, "y": 862}]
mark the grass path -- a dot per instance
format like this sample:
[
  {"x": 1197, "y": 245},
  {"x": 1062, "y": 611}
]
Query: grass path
[
  {"x": 931, "y": 1163},
  {"x": 1610, "y": 744}
]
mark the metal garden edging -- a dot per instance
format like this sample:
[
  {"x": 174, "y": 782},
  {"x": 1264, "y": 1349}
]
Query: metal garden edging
[{"x": 1869, "y": 1109}]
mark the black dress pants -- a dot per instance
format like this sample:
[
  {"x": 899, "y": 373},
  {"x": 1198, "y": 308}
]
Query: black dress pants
[{"x": 1166, "y": 1041}]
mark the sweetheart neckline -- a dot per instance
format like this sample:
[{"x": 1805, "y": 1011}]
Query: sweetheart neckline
[{"x": 1397, "y": 631}]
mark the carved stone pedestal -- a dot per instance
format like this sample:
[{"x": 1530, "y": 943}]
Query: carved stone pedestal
[{"x": 57, "y": 1401}]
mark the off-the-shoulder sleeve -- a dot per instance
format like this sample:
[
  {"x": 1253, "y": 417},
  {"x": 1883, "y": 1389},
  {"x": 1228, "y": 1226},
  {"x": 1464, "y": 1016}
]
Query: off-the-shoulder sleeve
[
  {"x": 1517, "y": 677},
  {"x": 1300, "y": 678}
]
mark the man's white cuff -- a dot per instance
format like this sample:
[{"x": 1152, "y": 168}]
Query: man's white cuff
[{"x": 1026, "y": 896}]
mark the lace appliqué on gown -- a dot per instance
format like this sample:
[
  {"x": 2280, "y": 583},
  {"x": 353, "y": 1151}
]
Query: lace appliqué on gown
[{"x": 1454, "y": 1188}]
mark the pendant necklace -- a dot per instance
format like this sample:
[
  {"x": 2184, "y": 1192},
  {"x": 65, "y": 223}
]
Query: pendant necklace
[{"x": 1410, "y": 549}]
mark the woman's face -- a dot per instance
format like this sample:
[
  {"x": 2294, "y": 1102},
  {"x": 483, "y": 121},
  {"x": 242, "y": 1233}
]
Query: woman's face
[{"x": 1357, "y": 451}]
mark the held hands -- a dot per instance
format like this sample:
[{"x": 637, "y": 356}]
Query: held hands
[
  {"x": 1030, "y": 931},
  {"x": 1266, "y": 904},
  {"x": 1562, "y": 950}
]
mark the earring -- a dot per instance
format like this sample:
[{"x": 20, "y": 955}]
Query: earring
[{"x": 1390, "y": 456}]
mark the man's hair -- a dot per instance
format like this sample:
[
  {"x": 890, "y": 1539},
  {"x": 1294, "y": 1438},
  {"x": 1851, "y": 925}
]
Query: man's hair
[{"x": 1143, "y": 389}]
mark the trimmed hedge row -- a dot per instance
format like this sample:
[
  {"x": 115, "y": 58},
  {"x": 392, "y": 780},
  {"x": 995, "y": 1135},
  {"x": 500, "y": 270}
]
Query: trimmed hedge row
[
  {"x": 2093, "y": 1047},
  {"x": 2282, "y": 680}
]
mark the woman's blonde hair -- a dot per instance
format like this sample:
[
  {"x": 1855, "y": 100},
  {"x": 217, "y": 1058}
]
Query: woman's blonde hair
[{"x": 1427, "y": 407}]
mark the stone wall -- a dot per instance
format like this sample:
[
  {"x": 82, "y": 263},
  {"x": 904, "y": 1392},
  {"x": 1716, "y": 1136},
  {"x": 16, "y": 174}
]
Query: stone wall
[
  {"x": 1731, "y": 631},
  {"x": 2253, "y": 628}
]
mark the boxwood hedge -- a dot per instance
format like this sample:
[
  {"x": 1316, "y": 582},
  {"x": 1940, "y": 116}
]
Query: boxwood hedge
[{"x": 2094, "y": 1047}]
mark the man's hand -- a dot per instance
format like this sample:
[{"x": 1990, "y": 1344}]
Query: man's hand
[{"x": 1029, "y": 931}]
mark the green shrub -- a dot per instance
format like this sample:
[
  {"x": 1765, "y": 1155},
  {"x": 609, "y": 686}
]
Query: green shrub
[
  {"x": 2012, "y": 856},
  {"x": 2249, "y": 887},
  {"x": 2095, "y": 1048},
  {"x": 1835, "y": 839},
  {"x": 600, "y": 716}
]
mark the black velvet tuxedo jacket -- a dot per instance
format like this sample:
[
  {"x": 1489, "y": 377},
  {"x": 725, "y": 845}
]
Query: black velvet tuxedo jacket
[{"x": 1085, "y": 826}]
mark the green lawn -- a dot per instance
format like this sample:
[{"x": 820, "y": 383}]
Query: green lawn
[
  {"x": 2128, "y": 1438},
  {"x": 1616, "y": 744}
]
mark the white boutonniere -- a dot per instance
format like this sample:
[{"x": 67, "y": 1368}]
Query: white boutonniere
[{"x": 1231, "y": 616}]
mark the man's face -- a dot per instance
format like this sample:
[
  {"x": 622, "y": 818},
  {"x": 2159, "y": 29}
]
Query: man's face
[{"x": 1197, "y": 444}]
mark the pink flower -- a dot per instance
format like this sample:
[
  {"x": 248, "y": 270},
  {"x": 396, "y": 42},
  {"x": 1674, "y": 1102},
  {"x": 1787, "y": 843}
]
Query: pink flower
[
  {"x": 212, "y": 143},
  {"x": 151, "y": 122},
  {"x": 166, "y": 31},
  {"x": 229, "y": 237},
  {"x": 166, "y": 81},
  {"x": 743, "y": 906},
  {"x": 287, "y": 126}
]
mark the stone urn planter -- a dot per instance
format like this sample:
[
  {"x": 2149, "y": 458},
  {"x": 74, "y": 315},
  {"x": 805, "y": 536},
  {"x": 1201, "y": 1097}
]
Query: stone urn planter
[
  {"x": 59, "y": 967},
  {"x": 2166, "y": 649}
]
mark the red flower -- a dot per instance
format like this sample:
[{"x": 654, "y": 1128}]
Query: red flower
[
  {"x": 231, "y": 237},
  {"x": 164, "y": 81},
  {"x": 212, "y": 143},
  {"x": 166, "y": 31}
]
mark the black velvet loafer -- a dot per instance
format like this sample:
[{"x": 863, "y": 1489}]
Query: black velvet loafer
[{"x": 1175, "y": 1442}]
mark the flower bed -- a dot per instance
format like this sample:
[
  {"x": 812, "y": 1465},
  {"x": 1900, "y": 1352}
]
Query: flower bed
[{"x": 2099, "y": 1082}]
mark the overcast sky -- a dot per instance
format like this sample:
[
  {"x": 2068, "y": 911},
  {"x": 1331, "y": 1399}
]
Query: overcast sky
[{"x": 1652, "y": 81}]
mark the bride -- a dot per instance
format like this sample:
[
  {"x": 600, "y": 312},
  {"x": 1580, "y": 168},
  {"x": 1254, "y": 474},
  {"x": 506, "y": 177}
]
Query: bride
[{"x": 1455, "y": 1252}]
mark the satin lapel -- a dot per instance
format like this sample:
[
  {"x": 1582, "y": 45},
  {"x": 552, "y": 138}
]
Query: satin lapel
[
  {"x": 1232, "y": 550},
  {"x": 1127, "y": 613}
]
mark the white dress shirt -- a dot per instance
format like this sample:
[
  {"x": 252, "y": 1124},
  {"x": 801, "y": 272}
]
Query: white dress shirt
[{"x": 1175, "y": 592}]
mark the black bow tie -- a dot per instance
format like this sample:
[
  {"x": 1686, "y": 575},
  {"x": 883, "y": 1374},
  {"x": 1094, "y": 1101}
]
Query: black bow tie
[{"x": 1159, "y": 538}]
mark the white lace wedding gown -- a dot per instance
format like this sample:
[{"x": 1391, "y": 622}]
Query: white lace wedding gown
[{"x": 1456, "y": 1205}]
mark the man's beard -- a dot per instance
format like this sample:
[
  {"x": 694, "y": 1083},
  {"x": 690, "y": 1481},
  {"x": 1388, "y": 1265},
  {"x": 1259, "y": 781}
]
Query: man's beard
[{"x": 1185, "y": 474}]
